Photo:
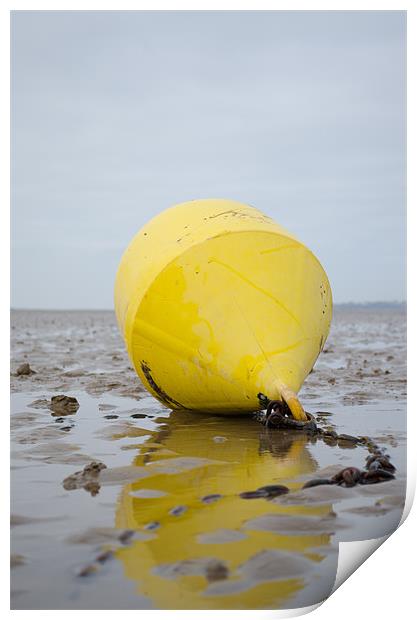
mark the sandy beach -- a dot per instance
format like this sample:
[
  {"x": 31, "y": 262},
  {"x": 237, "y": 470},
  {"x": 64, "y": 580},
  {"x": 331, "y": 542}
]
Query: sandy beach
[{"x": 162, "y": 525}]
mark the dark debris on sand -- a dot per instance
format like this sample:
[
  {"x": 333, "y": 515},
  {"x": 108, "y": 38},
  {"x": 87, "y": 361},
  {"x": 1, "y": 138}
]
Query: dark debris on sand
[
  {"x": 24, "y": 370},
  {"x": 87, "y": 479},
  {"x": 267, "y": 492}
]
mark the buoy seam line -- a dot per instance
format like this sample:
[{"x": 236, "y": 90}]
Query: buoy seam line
[
  {"x": 285, "y": 235},
  {"x": 260, "y": 289},
  {"x": 254, "y": 335},
  {"x": 256, "y": 339},
  {"x": 188, "y": 353},
  {"x": 128, "y": 311},
  {"x": 177, "y": 346},
  {"x": 282, "y": 247}
]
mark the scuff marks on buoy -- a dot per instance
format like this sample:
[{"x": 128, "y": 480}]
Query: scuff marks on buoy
[{"x": 162, "y": 395}]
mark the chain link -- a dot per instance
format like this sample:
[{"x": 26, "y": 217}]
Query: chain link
[{"x": 378, "y": 467}]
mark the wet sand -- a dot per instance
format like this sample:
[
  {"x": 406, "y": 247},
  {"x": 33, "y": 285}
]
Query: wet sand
[{"x": 163, "y": 525}]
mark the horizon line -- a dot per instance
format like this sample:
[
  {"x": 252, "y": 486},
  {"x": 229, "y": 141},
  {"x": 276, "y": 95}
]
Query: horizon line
[{"x": 335, "y": 305}]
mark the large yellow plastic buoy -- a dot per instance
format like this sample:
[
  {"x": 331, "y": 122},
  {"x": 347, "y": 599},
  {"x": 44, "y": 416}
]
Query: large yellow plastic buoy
[{"x": 217, "y": 303}]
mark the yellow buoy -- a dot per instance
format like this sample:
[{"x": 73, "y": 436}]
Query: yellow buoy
[{"x": 217, "y": 303}]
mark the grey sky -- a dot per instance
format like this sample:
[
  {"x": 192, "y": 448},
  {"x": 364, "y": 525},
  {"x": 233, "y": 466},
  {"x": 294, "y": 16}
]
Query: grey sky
[{"x": 118, "y": 115}]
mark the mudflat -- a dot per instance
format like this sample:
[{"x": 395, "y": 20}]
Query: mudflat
[{"x": 119, "y": 503}]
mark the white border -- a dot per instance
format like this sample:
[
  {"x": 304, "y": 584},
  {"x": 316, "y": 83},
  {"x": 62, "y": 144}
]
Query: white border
[{"x": 383, "y": 586}]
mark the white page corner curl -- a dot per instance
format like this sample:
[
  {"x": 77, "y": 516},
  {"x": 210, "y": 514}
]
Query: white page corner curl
[{"x": 352, "y": 555}]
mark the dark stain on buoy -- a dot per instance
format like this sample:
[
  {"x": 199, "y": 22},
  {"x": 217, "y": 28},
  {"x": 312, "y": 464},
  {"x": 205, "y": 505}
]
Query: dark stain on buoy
[{"x": 161, "y": 393}]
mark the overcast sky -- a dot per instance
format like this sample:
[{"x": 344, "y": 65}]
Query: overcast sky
[{"x": 118, "y": 115}]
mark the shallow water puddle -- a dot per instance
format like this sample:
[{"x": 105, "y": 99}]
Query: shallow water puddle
[
  {"x": 164, "y": 525},
  {"x": 194, "y": 542}
]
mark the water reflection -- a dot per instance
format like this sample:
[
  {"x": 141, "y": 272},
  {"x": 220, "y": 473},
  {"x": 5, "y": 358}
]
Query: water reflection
[{"x": 201, "y": 555}]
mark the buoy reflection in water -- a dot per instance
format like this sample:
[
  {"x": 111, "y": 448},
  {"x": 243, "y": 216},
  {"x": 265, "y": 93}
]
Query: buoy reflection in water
[{"x": 203, "y": 554}]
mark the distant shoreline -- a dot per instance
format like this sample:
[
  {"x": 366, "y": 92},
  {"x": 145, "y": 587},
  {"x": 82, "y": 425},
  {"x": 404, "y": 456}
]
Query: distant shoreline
[{"x": 372, "y": 305}]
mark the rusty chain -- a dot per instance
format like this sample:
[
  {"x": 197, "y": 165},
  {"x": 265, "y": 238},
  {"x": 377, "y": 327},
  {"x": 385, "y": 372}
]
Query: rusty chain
[{"x": 378, "y": 467}]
